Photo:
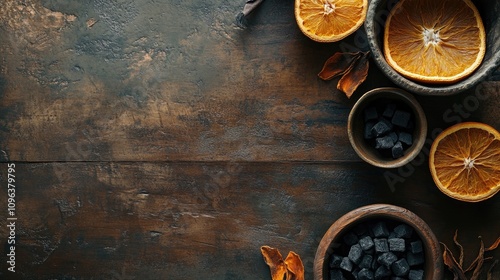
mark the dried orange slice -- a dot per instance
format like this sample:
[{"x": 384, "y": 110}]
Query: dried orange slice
[
  {"x": 434, "y": 41},
  {"x": 465, "y": 161},
  {"x": 330, "y": 20}
]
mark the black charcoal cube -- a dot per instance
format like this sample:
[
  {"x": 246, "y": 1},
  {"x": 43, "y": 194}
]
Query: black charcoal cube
[
  {"x": 387, "y": 259},
  {"x": 335, "y": 261},
  {"x": 382, "y": 272},
  {"x": 397, "y": 150},
  {"x": 400, "y": 267},
  {"x": 366, "y": 243},
  {"x": 350, "y": 238},
  {"x": 394, "y": 136},
  {"x": 355, "y": 253},
  {"x": 405, "y": 138},
  {"x": 346, "y": 264},
  {"x": 416, "y": 247},
  {"x": 380, "y": 230},
  {"x": 392, "y": 235},
  {"x": 415, "y": 259},
  {"x": 403, "y": 231},
  {"x": 370, "y": 113},
  {"x": 366, "y": 261},
  {"x": 416, "y": 274},
  {"x": 368, "y": 130},
  {"x": 401, "y": 118},
  {"x": 389, "y": 110},
  {"x": 381, "y": 245},
  {"x": 336, "y": 274},
  {"x": 382, "y": 127},
  {"x": 365, "y": 274},
  {"x": 384, "y": 142},
  {"x": 396, "y": 244}
]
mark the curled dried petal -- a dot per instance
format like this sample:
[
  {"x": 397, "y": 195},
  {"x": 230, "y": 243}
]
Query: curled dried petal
[
  {"x": 494, "y": 245},
  {"x": 452, "y": 264},
  {"x": 295, "y": 266},
  {"x": 354, "y": 76},
  {"x": 275, "y": 261},
  {"x": 460, "y": 247},
  {"x": 338, "y": 64}
]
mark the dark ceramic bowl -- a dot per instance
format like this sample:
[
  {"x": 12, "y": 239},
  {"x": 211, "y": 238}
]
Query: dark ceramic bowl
[
  {"x": 356, "y": 126},
  {"x": 433, "y": 265},
  {"x": 374, "y": 26}
]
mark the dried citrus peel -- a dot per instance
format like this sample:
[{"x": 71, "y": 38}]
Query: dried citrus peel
[
  {"x": 289, "y": 269},
  {"x": 338, "y": 64},
  {"x": 352, "y": 67},
  {"x": 354, "y": 76},
  {"x": 294, "y": 266},
  {"x": 275, "y": 261}
]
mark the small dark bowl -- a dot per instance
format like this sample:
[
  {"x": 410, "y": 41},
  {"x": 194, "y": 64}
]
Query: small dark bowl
[
  {"x": 374, "y": 26},
  {"x": 433, "y": 266},
  {"x": 355, "y": 127}
]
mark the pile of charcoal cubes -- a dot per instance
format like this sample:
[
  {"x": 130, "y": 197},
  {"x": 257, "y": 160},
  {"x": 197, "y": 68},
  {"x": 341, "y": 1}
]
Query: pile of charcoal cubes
[
  {"x": 378, "y": 250},
  {"x": 389, "y": 128}
]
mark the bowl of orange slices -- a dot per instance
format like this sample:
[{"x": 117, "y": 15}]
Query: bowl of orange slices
[{"x": 431, "y": 47}]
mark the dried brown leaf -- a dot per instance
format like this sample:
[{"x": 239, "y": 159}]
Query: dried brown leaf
[
  {"x": 354, "y": 76},
  {"x": 295, "y": 266},
  {"x": 275, "y": 261},
  {"x": 338, "y": 64},
  {"x": 460, "y": 247},
  {"x": 452, "y": 264}
]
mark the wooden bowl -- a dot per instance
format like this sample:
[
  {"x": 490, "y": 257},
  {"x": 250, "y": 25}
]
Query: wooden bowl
[
  {"x": 433, "y": 266},
  {"x": 355, "y": 127},
  {"x": 374, "y": 27}
]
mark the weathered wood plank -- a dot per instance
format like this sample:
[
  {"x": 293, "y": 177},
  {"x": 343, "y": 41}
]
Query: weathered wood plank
[
  {"x": 186, "y": 220},
  {"x": 158, "y": 80},
  {"x": 155, "y": 139}
]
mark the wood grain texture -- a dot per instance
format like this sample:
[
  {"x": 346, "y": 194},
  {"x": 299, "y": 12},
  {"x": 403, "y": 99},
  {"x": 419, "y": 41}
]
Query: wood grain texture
[
  {"x": 155, "y": 139},
  {"x": 146, "y": 86},
  {"x": 183, "y": 220}
]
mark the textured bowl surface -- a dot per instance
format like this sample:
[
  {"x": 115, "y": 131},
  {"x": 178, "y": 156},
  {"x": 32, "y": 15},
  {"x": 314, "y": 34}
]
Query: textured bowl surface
[
  {"x": 433, "y": 257},
  {"x": 374, "y": 26},
  {"x": 355, "y": 127}
]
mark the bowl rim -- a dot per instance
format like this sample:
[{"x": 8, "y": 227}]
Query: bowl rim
[
  {"x": 431, "y": 244},
  {"x": 479, "y": 74},
  {"x": 421, "y": 125}
]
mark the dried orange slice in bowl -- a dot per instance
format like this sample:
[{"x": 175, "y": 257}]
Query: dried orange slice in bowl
[
  {"x": 330, "y": 20},
  {"x": 434, "y": 41},
  {"x": 464, "y": 161}
]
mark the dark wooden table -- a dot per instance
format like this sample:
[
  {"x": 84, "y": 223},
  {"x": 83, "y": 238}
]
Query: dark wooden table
[{"x": 155, "y": 139}]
